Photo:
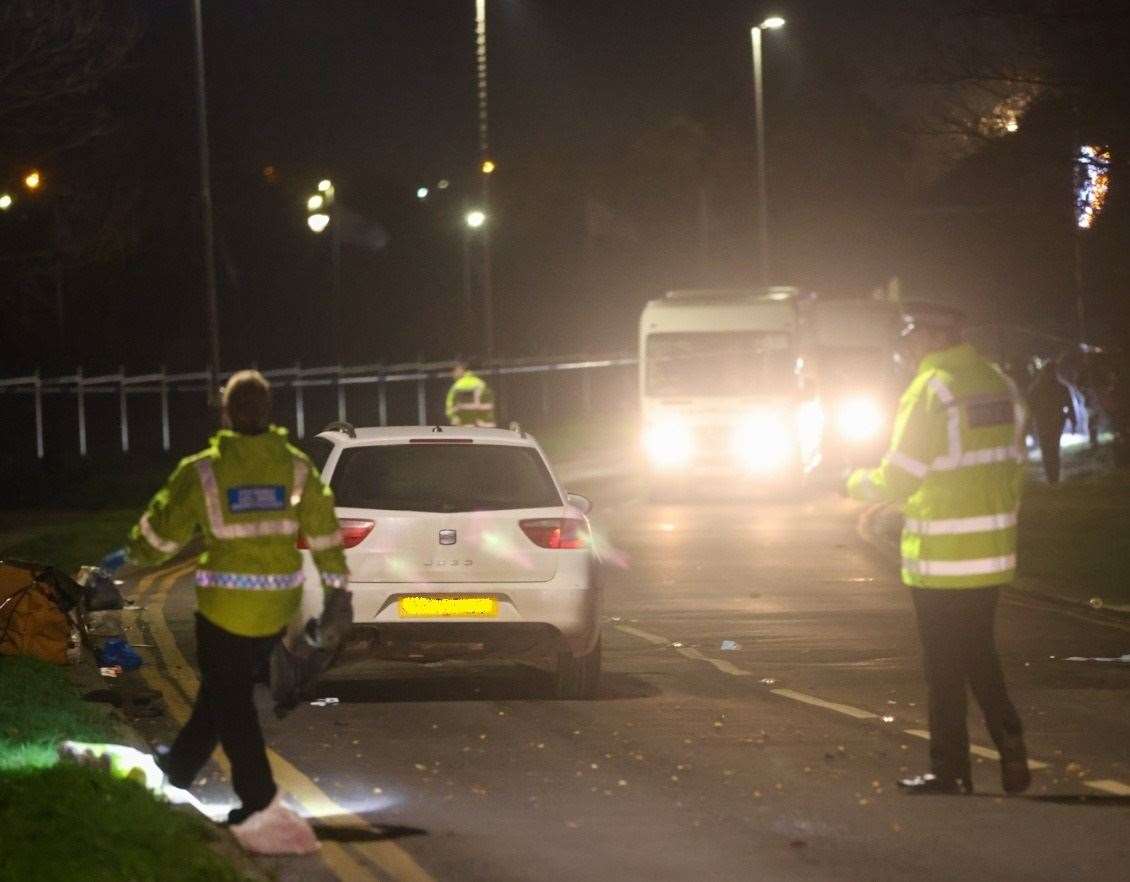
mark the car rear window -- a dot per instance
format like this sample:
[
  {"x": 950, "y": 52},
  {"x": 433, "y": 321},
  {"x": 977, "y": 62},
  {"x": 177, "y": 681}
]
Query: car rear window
[{"x": 443, "y": 478}]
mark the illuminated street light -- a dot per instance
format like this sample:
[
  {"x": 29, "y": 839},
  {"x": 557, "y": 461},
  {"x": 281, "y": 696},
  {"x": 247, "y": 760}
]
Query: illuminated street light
[
  {"x": 326, "y": 186},
  {"x": 315, "y": 202},
  {"x": 475, "y": 219},
  {"x": 772, "y": 23},
  {"x": 32, "y": 180},
  {"x": 5, "y": 202},
  {"x": 422, "y": 192},
  {"x": 443, "y": 184},
  {"x": 488, "y": 166},
  {"x": 318, "y": 222}
]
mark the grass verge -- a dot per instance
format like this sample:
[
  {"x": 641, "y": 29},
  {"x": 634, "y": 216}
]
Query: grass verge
[
  {"x": 63, "y": 822},
  {"x": 1073, "y": 537},
  {"x": 64, "y": 539}
]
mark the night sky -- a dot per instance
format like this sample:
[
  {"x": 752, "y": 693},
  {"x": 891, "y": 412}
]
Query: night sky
[{"x": 623, "y": 134}]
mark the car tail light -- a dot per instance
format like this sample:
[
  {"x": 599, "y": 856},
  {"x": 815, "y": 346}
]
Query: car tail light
[
  {"x": 556, "y": 532},
  {"x": 353, "y": 532}
]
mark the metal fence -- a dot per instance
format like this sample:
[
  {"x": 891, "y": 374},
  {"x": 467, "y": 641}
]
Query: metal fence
[{"x": 301, "y": 380}]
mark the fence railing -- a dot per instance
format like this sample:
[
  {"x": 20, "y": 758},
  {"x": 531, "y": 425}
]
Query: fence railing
[{"x": 297, "y": 378}]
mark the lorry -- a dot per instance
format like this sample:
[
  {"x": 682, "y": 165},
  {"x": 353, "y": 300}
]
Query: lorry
[
  {"x": 761, "y": 386},
  {"x": 724, "y": 390}
]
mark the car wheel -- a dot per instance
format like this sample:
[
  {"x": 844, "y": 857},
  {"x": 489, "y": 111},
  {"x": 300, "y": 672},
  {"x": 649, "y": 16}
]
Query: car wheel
[{"x": 578, "y": 677}]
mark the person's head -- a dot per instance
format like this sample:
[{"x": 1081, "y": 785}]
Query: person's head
[
  {"x": 460, "y": 368},
  {"x": 930, "y": 327},
  {"x": 247, "y": 403}
]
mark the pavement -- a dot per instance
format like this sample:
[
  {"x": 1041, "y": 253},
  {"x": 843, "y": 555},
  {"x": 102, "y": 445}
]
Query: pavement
[{"x": 761, "y": 694}]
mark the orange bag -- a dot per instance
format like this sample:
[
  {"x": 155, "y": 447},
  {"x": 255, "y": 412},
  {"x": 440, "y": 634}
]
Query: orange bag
[{"x": 31, "y": 620}]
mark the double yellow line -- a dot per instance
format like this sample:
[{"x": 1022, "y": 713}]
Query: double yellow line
[{"x": 350, "y": 862}]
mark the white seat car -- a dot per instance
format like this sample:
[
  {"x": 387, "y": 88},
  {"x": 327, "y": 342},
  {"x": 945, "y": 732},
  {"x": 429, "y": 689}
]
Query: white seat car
[{"x": 462, "y": 543}]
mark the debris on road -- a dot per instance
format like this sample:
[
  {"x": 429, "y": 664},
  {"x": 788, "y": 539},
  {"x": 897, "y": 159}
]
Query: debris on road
[
  {"x": 730, "y": 646},
  {"x": 116, "y": 652},
  {"x": 324, "y": 702}
]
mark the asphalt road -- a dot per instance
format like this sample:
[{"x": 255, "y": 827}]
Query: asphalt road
[{"x": 774, "y": 760}]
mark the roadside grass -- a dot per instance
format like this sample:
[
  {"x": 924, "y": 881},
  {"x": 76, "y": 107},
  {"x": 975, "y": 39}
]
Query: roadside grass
[
  {"x": 62, "y": 822},
  {"x": 1074, "y": 537},
  {"x": 64, "y": 539}
]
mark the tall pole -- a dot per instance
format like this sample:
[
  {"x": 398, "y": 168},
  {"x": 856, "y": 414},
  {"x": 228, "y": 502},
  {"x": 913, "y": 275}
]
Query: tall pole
[
  {"x": 206, "y": 206},
  {"x": 335, "y": 282},
  {"x": 484, "y": 158},
  {"x": 468, "y": 335},
  {"x": 762, "y": 187}
]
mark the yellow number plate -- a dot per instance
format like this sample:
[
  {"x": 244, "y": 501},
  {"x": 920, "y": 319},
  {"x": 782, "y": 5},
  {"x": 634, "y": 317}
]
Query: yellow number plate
[{"x": 429, "y": 607}]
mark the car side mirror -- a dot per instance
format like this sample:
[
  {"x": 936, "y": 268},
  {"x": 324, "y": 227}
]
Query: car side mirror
[{"x": 583, "y": 503}]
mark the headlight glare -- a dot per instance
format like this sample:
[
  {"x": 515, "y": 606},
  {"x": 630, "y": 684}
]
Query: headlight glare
[
  {"x": 668, "y": 442},
  {"x": 858, "y": 418},
  {"x": 762, "y": 442}
]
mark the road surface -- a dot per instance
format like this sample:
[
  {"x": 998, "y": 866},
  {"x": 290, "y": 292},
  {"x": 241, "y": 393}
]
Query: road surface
[{"x": 774, "y": 759}]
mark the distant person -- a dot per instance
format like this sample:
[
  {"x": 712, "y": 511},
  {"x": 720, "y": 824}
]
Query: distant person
[
  {"x": 956, "y": 461},
  {"x": 1051, "y": 405},
  {"x": 470, "y": 401},
  {"x": 251, "y": 494}
]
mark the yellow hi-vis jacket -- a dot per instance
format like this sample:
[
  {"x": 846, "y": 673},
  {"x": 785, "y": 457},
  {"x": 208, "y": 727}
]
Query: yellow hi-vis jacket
[
  {"x": 957, "y": 459},
  {"x": 470, "y": 402},
  {"x": 251, "y": 496}
]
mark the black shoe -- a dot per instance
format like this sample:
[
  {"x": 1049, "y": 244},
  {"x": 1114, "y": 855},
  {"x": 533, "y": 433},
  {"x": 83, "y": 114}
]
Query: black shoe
[
  {"x": 931, "y": 783},
  {"x": 161, "y": 757},
  {"x": 238, "y": 815}
]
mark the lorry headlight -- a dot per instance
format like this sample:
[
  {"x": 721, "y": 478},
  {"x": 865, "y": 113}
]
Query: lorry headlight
[
  {"x": 668, "y": 442},
  {"x": 762, "y": 442},
  {"x": 859, "y": 418}
]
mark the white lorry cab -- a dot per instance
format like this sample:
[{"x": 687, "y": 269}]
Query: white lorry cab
[{"x": 724, "y": 390}]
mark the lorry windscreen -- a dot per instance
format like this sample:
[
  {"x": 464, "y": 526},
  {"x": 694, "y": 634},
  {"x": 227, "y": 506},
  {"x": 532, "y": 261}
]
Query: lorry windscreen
[{"x": 726, "y": 363}]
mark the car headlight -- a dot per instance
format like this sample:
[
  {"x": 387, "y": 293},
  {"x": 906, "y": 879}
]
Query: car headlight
[
  {"x": 859, "y": 418},
  {"x": 762, "y": 442},
  {"x": 668, "y": 442}
]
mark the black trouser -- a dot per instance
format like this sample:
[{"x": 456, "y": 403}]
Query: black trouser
[
  {"x": 958, "y": 648},
  {"x": 1049, "y": 433},
  {"x": 224, "y": 713}
]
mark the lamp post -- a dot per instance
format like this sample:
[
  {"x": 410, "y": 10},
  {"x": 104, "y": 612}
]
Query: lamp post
[
  {"x": 473, "y": 221},
  {"x": 319, "y": 218},
  {"x": 206, "y": 207},
  {"x": 772, "y": 23},
  {"x": 486, "y": 168}
]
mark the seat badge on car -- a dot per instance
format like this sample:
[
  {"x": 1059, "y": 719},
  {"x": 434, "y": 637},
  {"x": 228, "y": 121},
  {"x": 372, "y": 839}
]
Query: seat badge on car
[{"x": 447, "y": 537}]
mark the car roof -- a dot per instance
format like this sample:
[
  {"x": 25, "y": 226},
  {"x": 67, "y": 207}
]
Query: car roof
[{"x": 371, "y": 435}]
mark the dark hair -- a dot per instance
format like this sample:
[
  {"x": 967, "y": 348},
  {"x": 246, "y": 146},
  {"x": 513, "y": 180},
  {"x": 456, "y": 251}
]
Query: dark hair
[{"x": 247, "y": 402}]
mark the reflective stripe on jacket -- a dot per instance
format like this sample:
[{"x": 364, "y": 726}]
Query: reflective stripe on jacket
[
  {"x": 250, "y": 496},
  {"x": 470, "y": 402},
  {"x": 957, "y": 459}
]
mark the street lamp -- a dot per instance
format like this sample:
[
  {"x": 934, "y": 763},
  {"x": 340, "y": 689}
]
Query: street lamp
[
  {"x": 774, "y": 22},
  {"x": 475, "y": 219},
  {"x": 5, "y": 201},
  {"x": 32, "y": 180},
  {"x": 319, "y": 217}
]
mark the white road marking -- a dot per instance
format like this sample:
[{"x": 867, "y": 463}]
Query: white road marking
[
  {"x": 1106, "y": 785},
  {"x": 644, "y": 635},
  {"x": 978, "y": 750},
  {"x": 724, "y": 666},
  {"x": 846, "y": 709}
]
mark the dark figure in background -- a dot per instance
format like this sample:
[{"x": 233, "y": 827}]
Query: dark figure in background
[{"x": 1049, "y": 401}]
